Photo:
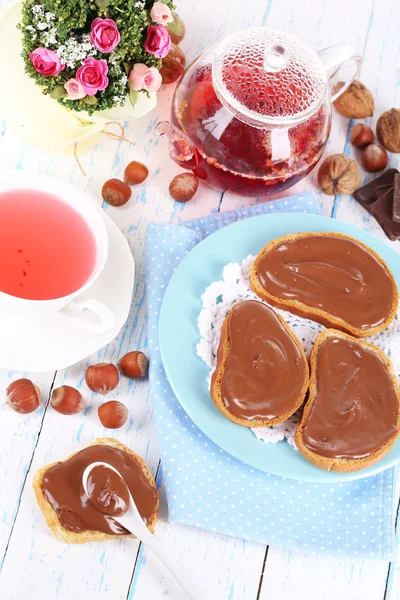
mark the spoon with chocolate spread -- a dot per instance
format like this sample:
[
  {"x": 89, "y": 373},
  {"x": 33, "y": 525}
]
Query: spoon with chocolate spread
[{"x": 108, "y": 492}]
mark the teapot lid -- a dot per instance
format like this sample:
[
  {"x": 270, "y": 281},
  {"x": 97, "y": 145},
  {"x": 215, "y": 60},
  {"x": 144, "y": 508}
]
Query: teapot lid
[{"x": 266, "y": 76}]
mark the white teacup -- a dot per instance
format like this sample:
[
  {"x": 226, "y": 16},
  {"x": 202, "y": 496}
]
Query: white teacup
[{"x": 90, "y": 314}]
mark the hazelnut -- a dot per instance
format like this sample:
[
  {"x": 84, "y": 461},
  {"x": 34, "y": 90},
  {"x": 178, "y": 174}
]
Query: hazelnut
[
  {"x": 361, "y": 136},
  {"x": 112, "y": 414},
  {"x": 183, "y": 187},
  {"x": 23, "y": 396},
  {"x": 388, "y": 130},
  {"x": 135, "y": 173},
  {"x": 134, "y": 364},
  {"x": 102, "y": 378},
  {"x": 356, "y": 102},
  {"x": 116, "y": 192},
  {"x": 173, "y": 65},
  {"x": 339, "y": 174},
  {"x": 67, "y": 400},
  {"x": 374, "y": 158}
]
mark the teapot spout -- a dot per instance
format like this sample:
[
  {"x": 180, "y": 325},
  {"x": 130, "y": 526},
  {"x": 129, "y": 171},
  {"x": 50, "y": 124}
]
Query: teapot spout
[{"x": 180, "y": 147}]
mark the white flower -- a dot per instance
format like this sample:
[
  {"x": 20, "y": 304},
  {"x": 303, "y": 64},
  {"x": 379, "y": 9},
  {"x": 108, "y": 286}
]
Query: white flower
[
  {"x": 73, "y": 51},
  {"x": 32, "y": 31},
  {"x": 38, "y": 9},
  {"x": 113, "y": 59},
  {"x": 140, "y": 4},
  {"x": 119, "y": 82},
  {"x": 124, "y": 80},
  {"x": 41, "y": 22},
  {"x": 49, "y": 37}
]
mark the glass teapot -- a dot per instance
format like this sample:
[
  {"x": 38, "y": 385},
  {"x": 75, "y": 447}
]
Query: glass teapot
[{"x": 253, "y": 113}]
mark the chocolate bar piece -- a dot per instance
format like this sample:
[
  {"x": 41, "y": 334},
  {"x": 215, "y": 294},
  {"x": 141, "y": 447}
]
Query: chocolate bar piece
[
  {"x": 382, "y": 189},
  {"x": 377, "y": 197},
  {"x": 366, "y": 194},
  {"x": 396, "y": 198},
  {"x": 382, "y": 210}
]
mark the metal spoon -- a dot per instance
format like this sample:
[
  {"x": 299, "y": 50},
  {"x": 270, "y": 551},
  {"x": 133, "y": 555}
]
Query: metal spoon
[{"x": 133, "y": 522}]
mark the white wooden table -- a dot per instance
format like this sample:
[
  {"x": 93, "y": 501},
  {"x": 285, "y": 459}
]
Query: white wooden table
[{"x": 32, "y": 563}]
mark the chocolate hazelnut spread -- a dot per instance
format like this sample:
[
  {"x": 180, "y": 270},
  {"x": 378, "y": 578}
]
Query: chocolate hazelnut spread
[
  {"x": 62, "y": 486},
  {"x": 265, "y": 370},
  {"x": 331, "y": 273},
  {"x": 356, "y": 408},
  {"x": 107, "y": 491}
]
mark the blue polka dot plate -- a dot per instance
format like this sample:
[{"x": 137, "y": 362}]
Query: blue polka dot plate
[{"x": 179, "y": 335}]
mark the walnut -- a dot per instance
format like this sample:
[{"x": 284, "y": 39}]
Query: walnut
[
  {"x": 356, "y": 102},
  {"x": 388, "y": 130},
  {"x": 339, "y": 174}
]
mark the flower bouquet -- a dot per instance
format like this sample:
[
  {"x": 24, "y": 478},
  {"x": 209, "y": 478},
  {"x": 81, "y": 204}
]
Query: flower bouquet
[{"x": 78, "y": 64}]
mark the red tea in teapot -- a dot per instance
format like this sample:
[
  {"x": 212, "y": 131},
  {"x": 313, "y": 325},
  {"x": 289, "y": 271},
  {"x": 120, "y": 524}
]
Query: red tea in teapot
[
  {"x": 231, "y": 154},
  {"x": 253, "y": 113}
]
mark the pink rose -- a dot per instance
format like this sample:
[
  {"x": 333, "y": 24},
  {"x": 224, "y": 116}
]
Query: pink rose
[
  {"x": 92, "y": 75},
  {"x": 105, "y": 35},
  {"x": 74, "y": 89},
  {"x": 142, "y": 77},
  {"x": 46, "y": 62},
  {"x": 158, "y": 41},
  {"x": 161, "y": 13}
]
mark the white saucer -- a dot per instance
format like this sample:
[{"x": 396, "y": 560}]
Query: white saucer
[{"x": 39, "y": 344}]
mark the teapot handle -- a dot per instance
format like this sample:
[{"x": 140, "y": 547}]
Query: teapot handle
[{"x": 342, "y": 64}]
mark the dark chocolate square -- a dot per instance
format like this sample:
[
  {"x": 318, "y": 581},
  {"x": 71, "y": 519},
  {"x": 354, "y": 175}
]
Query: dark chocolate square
[
  {"x": 382, "y": 189},
  {"x": 367, "y": 195},
  {"x": 382, "y": 210},
  {"x": 377, "y": 198},
  {"x": 396, "y": 198}
]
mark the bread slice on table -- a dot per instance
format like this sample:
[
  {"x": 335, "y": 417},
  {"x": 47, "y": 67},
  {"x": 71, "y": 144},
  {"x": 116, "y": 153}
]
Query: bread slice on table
[
  {"x": 295, "y": 391},
  {"x": 319, "y": 315},
  {"x": 348, "y": 400},
  {"x": 71, "y": 537}
]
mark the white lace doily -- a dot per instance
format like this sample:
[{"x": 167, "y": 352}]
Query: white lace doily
[{"x": 235, "y": 285}]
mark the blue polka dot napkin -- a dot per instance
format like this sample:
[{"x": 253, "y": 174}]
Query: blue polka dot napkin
[{"x": 208, "y": 488}]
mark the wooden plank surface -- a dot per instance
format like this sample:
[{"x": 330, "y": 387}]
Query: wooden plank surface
[
  {"x": 35, "y": 565},
  {"x": 323, "y": 578}
]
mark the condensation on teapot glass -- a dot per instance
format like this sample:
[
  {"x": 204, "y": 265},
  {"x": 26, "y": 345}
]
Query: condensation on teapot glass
[{"x": 265, "y": 75}]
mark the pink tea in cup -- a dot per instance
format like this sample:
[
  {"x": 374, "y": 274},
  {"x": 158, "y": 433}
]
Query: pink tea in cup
[{"x": 47, "y": 249}]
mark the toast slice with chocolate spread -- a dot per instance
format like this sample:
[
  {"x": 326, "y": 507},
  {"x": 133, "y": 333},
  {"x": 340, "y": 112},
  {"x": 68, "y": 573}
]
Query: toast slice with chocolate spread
[
  {"x": 351, "y": 418},
  {"x": 77, "y": 534},
  {"x": 330, "y": 278},
  {"x": 261, "y": 377}
]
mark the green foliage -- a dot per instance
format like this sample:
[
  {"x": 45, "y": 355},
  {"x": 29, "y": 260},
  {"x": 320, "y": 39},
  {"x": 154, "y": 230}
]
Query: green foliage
[
  {"x": 71, "y": 15},
  {"x": 90, "y": 100},
  {"x": 133, "y": 96},
  {"x": 67, "y": 19},
  {"x": 58, "y": 92},
  {"x": 102, "y": 4}
]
